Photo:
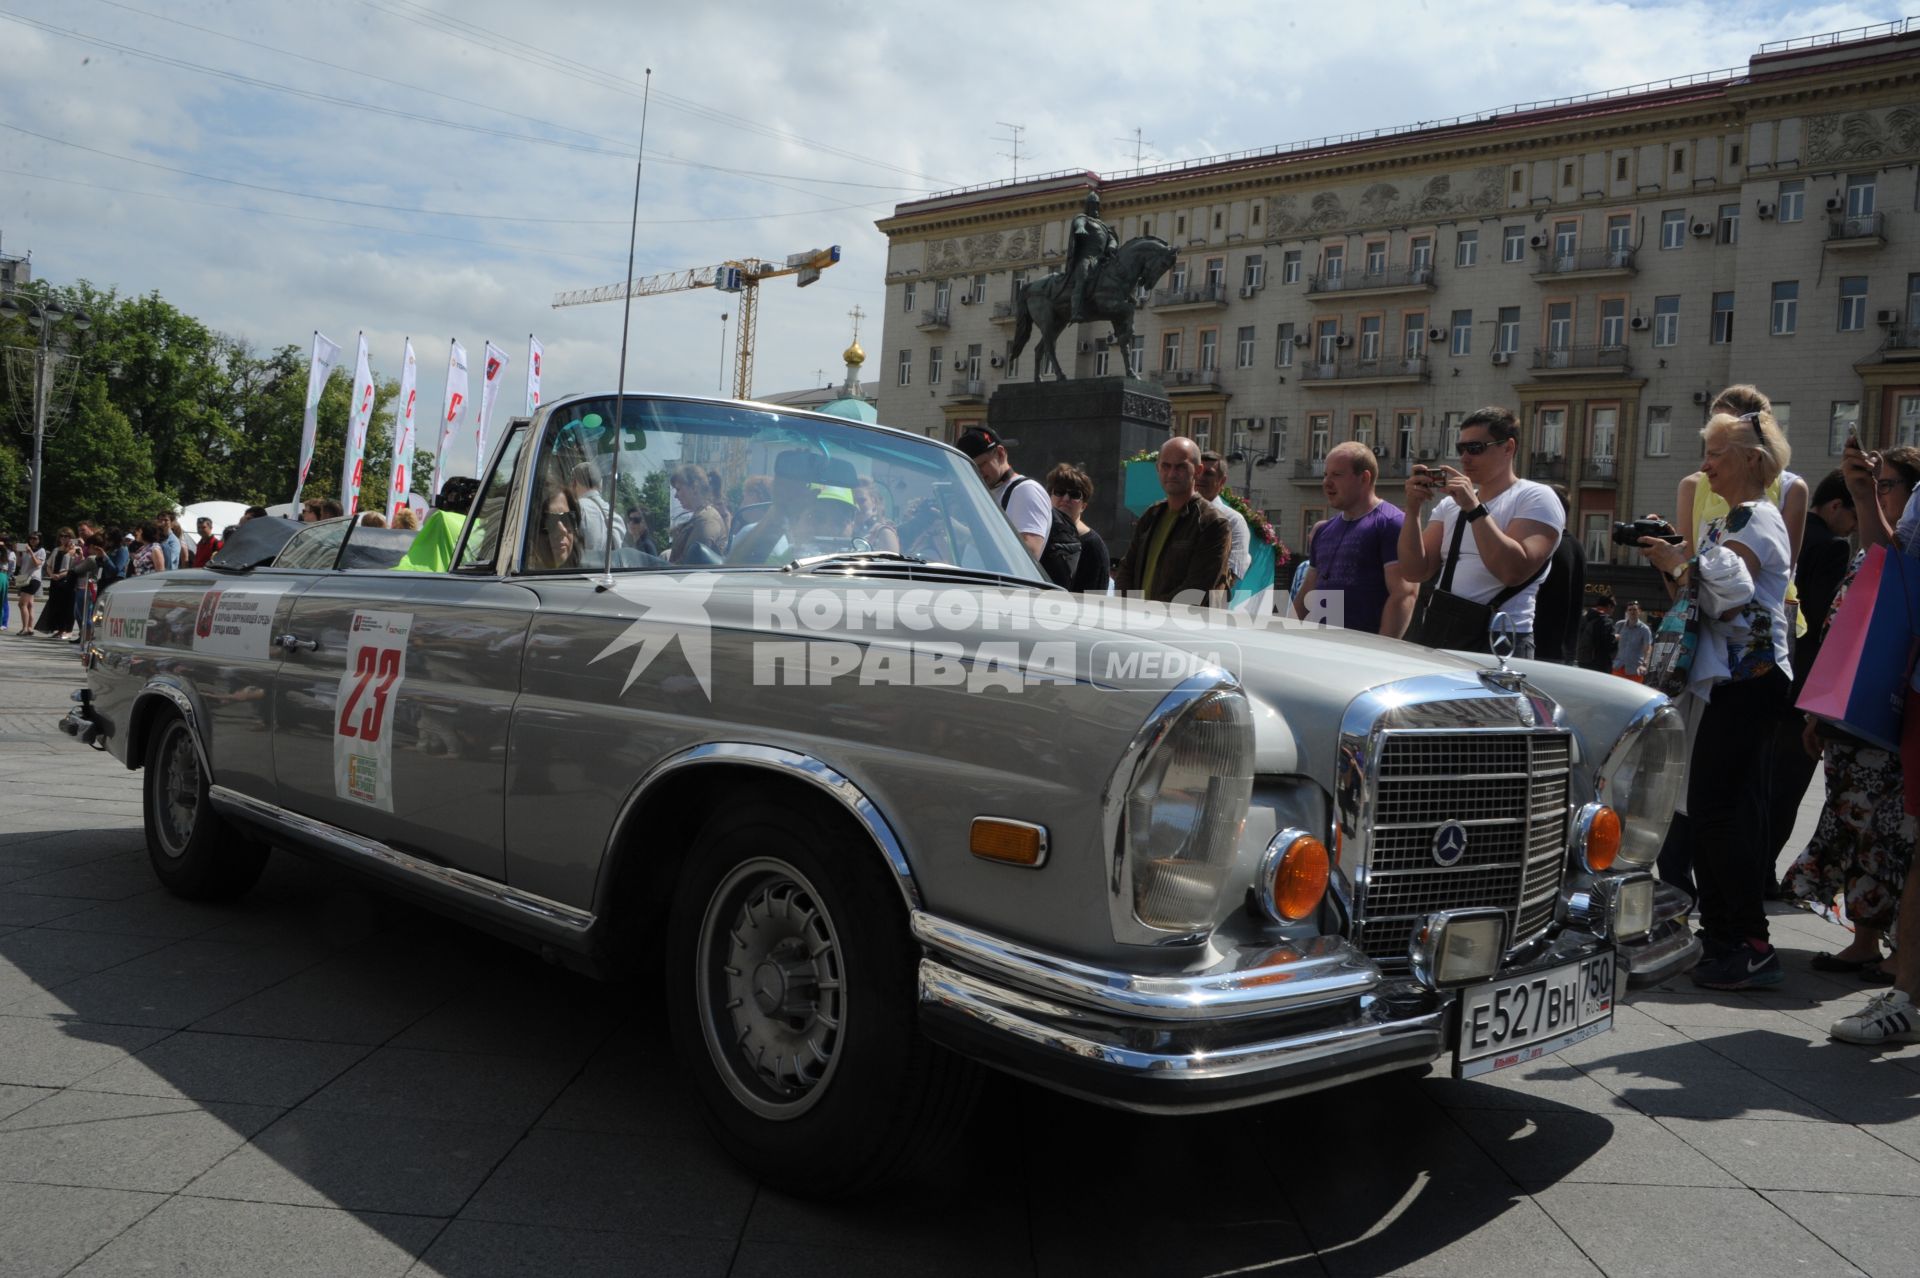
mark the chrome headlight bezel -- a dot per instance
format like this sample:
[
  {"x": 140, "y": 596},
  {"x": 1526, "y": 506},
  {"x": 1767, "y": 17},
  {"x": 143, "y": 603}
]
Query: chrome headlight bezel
[
  {"x": 1153, "y": 856},
  {"x": 1643, "y": 778}
]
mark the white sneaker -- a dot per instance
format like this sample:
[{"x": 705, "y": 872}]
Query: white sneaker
[{"x": 1889, "y": 1017}]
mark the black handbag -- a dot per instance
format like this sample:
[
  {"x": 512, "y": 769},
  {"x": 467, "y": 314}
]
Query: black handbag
[{"x": 1454, "y": 621}]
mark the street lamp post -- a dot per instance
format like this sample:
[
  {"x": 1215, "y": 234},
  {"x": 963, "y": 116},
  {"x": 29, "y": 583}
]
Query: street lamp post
[{"x": 44, "y": 317}]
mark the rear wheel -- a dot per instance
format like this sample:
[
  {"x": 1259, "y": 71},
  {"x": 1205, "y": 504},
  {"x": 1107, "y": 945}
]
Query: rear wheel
[
  {"x": 791, "y": 987},
  {"x": 195, "y": 853}
]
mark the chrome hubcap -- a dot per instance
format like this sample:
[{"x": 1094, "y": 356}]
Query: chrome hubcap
[
  {"x": 770, "y": 988},
  {"x": 179, "y": 792}
]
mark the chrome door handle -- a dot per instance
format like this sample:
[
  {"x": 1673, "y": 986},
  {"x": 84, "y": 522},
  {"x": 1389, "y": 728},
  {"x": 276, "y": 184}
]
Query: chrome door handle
[{"x": 294, "y": 643}]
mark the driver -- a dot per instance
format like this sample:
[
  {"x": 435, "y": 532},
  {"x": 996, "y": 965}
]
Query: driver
[{"x": 554, "y": 541}]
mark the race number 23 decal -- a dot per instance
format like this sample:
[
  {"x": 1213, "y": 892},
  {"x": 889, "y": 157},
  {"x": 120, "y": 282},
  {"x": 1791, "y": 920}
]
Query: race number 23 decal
[{"x": 363, "y": 725}]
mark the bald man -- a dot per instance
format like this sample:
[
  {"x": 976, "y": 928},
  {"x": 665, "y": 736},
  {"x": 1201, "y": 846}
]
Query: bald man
[{"x": 1179, "y": 548}]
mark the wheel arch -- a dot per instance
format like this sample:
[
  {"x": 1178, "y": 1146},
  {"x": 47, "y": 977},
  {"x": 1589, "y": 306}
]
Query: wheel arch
[
  {"x": 155, "y": 700},
  {"x": 662, "y": 816}
]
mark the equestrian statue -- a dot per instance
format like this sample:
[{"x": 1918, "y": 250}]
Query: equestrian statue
[{"x": 1099, "y": 282}]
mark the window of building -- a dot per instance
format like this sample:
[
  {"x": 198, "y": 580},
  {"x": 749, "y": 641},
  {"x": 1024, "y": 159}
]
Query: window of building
[
  {"x": 1466, "y": 249},
  {"x": 1209, "y": 349},
  {"x": 1406, "y": 432},
  {"x": 1613, "y": 321},
  {"x": 1137, "y": 354},
  {"x": 1566, "y": 175},
  {"x": 1013, "y": 366},
  {"x": 1721, "y": 330},
  {"x": 1462, "y": 328},
  {"x": 1421, "y": 254},
  {"x": 1413, "y": 334},
  {"x": 1559, "y": 328},
  {"x": 1733, "y": 154},
  {"x": 1177, "y": 277},
  {"x": 1256, "y": 215},
  {"x": 1450, "y": 433},
  {"x": 1619, "y": 232},
  {"x": 1513, "y": 181},
  {"x": 1101, "y": 360},
  {"x": 1566, "y": 243},
  {"x": 1842, "y": 420},
  {"x": 1216, "y": 221},
  {"x": 1319, "y": 435},
  {"x": 1362, "y": 429},
  {"x": 979, "y": 289},
  {"x": 1180, "y": 224},
  {"x": 973, "y": 361},
  {"x": 1673, "y": 228},
  {"x": 1860, "y": 194},
  {"x": 1666, "y": 320},
  {"x": 1598, "y": 539},
  {"x": 1853, "y": 303},
  {"x": 1290, "y": 266},
  {"x": 1376, "y": 257},
  {"x": 1326, "y": 334},
  {"x": 1146, "y": 226},
  {"x": 1507, "y": 337},
  {"x": 1786, "y": 308},
  {"x": 1283, "y": 346},
  {"x": 1679, "y": 159},
  {"x": 1729, "y": 223},
  {"x": 906, "y": 368},
  {"x": 933, "y": 365},
  {"x": 1550, "y": 432},
  {"x": 1243, "y": 357},
  {"x": 1170, "y": 351},
  {"x": 1659, "y": 429},
  {"x": 1217, "y": 273},
  {"x": 1513, "y": 244},
  {"x": 1603, "y": 435},
  {"x": 1200, "y": 430},
  {"x": 1792, "y": 205},
  {"x": 909, "y": 293},
  {"x": 1620, "y": 168},
  {"x": 1333, "y": 261},
  {"x": 1370, "y": 329},
  {"x": 1906, "y": 421},
  {"x": 943, "y": 297},
  {"x": 1253, "y": 273}
]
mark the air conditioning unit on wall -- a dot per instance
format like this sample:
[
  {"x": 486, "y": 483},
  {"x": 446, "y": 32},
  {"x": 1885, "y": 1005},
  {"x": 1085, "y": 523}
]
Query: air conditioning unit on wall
[
  {"x": 1701, "y": 229},
  {"x": 1537, "y": 240},
  {"x": 1436, "y": 335},
  {"x": 1637, "y": 323},
  {"x": 1764, "y": 210},
  {"x": 1835, "y": 204},
  {"x": 1343, "y": 341},
  {"x": 1503, "y": 358}
]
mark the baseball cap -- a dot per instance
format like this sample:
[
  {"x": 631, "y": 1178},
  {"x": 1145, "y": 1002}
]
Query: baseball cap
[{"x": 976, "y": 441}]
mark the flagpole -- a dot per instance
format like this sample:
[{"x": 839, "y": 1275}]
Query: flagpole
[{"x": 626, "y": 320}]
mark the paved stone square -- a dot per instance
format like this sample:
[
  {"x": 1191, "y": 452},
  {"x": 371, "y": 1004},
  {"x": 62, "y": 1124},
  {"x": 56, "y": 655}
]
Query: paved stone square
[{"x": 322, "y": 1080}]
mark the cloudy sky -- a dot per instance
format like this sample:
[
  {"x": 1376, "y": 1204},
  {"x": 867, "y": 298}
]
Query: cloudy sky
[{"x": 417, "y": 167}]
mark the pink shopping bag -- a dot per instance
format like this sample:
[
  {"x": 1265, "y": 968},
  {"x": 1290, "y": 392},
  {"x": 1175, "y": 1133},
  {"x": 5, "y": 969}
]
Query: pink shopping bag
[{"x": 1859, "y": 681}]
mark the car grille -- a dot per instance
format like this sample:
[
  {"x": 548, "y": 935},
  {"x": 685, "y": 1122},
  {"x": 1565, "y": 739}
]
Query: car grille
[{"x": 1509, "y": 789}]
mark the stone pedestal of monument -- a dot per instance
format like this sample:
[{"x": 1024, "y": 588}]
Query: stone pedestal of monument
[{"x": 1094, "y": 422}]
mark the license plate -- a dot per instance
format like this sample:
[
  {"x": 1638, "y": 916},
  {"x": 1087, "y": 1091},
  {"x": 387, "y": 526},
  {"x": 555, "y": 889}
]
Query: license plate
[{"x": 1520, "y": 1019}]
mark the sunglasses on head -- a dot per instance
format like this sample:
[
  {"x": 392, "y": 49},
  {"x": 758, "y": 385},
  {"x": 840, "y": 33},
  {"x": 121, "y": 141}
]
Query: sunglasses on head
[{"x": 1474, "y": 447}]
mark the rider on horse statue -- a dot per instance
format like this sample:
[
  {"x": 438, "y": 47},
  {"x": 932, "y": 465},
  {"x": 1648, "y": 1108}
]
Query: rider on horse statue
[{"x": 1090, "y": 242}]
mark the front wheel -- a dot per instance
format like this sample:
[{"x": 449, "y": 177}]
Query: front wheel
[
  {"x": 792, "y": 996},
  {"x": 195, "y": 853}
]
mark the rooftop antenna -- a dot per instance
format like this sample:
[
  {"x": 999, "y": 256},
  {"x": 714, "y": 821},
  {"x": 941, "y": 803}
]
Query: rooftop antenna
[
  {"x": 1015, "y": 132},
  {"x": 626, "y": 319},
  {"x": 1139, "y": 147}
]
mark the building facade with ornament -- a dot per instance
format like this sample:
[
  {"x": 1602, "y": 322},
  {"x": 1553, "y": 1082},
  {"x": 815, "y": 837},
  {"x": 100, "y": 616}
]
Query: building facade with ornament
[{"x": 1601, "y": 264}]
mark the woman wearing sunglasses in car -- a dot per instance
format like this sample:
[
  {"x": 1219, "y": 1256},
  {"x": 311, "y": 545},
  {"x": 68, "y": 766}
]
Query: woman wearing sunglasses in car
[{"x": 555, "y": 542}]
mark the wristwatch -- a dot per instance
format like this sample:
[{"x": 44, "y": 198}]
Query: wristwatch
[
  {"x": 1676, "y": 572},
  {"x": 1478, "y": 512}
]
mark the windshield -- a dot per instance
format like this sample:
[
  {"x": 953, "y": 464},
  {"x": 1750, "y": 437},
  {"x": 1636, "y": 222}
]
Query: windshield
[{"x": 727, "y": 485}]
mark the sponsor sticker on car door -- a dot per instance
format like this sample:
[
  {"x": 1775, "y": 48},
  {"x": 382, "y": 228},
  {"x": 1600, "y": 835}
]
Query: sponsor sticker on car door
[{"x": 363, "y": 721}]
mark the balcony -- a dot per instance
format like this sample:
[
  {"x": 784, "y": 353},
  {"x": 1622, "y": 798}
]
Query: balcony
[
  {"x": 1192, "y": 379},
  {"x": 1581, "y": 361},
  {"x": 1395, "y": 279},
  {"x": 1868, "y": 230},
  {"x": 1599, "y": 470},
  {"x": 1547, "y": 468},
  {"x": 1201, "y": 296},
  {"x": 1365, "y": 372},
  {"x": 938, "y": 317},
  {"x": 1310, "y": 470},
  {"x": 1903, "y": 342},
  {"x": 1584, "y": 264},
  {"x": 1005, "y": 313},
  {"x": 967, "y": 388}
]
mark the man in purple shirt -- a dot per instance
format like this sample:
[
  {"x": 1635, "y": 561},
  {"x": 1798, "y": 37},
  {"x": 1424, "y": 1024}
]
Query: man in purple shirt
[{"x": 1355, "y": 555}]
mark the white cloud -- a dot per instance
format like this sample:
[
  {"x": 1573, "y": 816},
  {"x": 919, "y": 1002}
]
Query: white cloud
[{"x": 917, "y": 89}]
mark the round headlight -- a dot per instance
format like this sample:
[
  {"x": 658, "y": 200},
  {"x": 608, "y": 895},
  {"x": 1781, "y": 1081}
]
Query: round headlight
[
  {"x": 1185, "y": 812},
  {"x": 1643, "y": 780}
]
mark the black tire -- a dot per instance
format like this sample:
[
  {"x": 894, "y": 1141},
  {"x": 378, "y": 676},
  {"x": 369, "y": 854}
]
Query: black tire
[
  {"x": 195, "y": 853},
  {"x": 833, "y": 966}
]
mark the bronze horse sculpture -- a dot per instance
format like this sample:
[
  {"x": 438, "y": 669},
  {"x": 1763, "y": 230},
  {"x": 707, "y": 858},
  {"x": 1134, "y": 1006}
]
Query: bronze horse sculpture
[{"x": 1047, "y": 302}]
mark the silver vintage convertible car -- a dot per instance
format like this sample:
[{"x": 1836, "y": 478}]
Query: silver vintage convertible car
[{"x": 878, "y": 803}]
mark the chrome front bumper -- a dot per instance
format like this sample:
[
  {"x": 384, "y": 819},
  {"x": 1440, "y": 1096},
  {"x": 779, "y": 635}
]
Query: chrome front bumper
[{"x": 1263, "y": 1023}]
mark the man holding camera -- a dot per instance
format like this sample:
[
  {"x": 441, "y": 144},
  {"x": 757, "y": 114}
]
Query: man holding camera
[{"x": 1490, "y": 540}]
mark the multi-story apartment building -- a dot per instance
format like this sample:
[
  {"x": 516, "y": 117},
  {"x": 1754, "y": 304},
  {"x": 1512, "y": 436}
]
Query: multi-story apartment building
[{"x": 1601, "y": 264}]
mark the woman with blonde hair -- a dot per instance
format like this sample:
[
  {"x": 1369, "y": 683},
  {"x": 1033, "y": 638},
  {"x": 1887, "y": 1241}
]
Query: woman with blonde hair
[{"x": 1739, "y": 684}]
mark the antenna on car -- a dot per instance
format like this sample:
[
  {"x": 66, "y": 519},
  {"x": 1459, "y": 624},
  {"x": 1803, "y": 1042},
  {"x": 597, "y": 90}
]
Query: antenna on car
[{"x": 626, "y": 317}]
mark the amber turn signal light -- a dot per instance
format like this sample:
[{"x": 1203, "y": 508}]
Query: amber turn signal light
[
  {"x": 1294, "y": 876},
  {"x": 1009, "y": 842},
  {"x": 1603, "y": 839}
]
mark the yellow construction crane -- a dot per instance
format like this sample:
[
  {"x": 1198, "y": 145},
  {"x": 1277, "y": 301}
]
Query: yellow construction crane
[{"x": 743, "y": 277}]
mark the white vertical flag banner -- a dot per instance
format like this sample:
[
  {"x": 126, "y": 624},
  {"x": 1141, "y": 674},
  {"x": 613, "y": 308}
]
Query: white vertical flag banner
[
  {"x": 535, "y": 353},
  {"x": 401, "y": 478},
  {"x": 352, "y": 464},
  {"x": 489, "y": 390},
  {"x": 450, "y": 410},
  {"x": 325, "y": 354}
]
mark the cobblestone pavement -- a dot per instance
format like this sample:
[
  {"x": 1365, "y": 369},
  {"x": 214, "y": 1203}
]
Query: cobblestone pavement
[{"x": 320, "y": 1080}]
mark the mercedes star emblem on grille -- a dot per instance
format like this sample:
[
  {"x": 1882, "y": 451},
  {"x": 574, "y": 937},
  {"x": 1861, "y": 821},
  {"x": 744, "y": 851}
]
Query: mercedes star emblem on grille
[{"x": 1449, "y": 844}]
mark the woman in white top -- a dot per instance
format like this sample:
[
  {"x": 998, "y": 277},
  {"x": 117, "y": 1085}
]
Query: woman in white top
[
  {"x": 30, "y": 569},
  {"x": 1741, "y": 672}
]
